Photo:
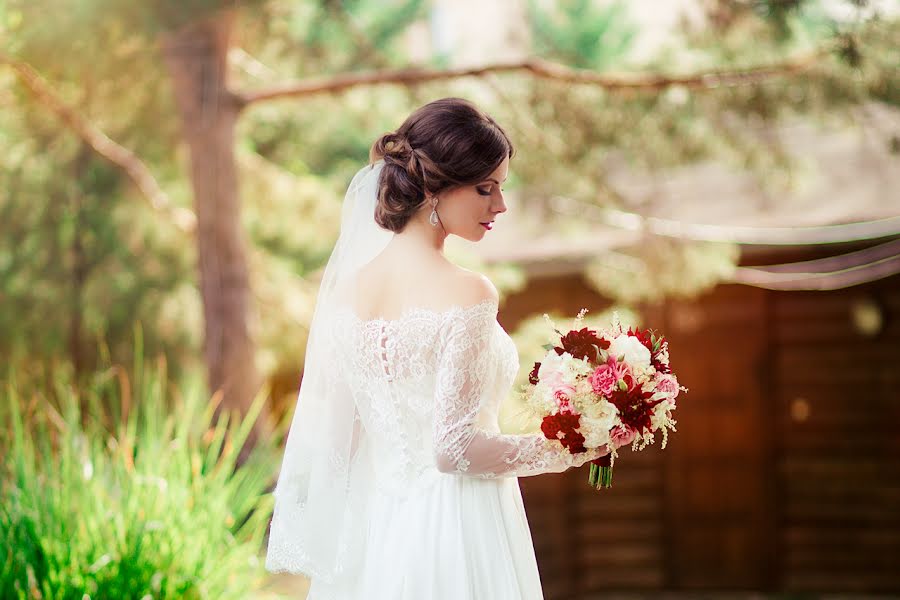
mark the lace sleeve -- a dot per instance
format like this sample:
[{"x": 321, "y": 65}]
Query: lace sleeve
[{"x": 464, "y": 377}]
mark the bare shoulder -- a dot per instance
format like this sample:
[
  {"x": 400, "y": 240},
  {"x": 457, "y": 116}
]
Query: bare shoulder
[{"x": 467, "y": 288}]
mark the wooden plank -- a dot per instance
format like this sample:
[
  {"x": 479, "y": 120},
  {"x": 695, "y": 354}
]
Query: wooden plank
[
  {"x": 624, "y": 555},
  {"x": 842, "y": 493},
  {"x": 830, "y": 391},
  {"x": 832, "y": 516},
  {"x": 830, "y": 362},
  {"x": 639, "y": 506},
  {"x": 615, "y": 532},
  {"x": 839, "y": 467},
  {"x": 823, "y": 412},
  {"x": 826, "y": 331},
  {"x": 800, "y": 537},
  {"x": 832, "y": 306},
  {"x": 873, "y": 582},
  {"x": 874, "y": 446},
  {"x": 603, "y": 580},
  {"x": 721, "y": 490},
  {"x": 843, "y": 559}
]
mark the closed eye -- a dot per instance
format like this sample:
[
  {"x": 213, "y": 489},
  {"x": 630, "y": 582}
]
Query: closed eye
[{"x": 487, "y": 192}]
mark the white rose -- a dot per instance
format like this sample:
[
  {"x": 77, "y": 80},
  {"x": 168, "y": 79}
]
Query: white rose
[
  {"x": 595, "y": 431},
  {"x": 635, "y": 353},
  {"x": 552, "y": 371},
  {"x": 551, "y": 363},
  {"x": 573, "y": 367}
]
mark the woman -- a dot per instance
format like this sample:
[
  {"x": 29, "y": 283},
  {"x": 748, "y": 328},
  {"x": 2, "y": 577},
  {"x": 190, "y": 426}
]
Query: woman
[{"x": 396, "y": 482}]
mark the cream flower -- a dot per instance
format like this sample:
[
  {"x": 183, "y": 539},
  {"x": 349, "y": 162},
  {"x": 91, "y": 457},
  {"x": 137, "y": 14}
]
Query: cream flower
[{"x": 631, "y": 348}]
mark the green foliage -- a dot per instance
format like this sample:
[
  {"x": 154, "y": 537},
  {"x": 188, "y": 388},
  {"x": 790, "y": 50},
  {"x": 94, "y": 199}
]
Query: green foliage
[
  {"x": 786, "y": 20},
  {"x": 576, "y": 137},
  {"x": 582, "y": 33},
  {"x": 145, "y": 20},
  {"x": 145, "y": 501},
  {"x": 325, "y": 135},
  {"x": 348, "y": 31},
  {"x": 82, "y": 262},
  {"x": 662, "y": 268},
  {"x": 87, "y": 258},
  {"x": 312, "y": 38}
]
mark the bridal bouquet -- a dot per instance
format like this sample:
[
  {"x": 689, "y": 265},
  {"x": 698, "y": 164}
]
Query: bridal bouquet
[{"x": 613, "y": 387}]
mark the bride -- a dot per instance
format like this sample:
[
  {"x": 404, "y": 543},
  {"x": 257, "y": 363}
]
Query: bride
[{"x": 396, "y": 481}]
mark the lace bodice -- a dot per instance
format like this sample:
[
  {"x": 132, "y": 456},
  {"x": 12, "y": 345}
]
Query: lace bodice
[{"x": 428, "y": 387}]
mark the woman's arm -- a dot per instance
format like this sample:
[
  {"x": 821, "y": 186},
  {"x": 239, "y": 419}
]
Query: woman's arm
[{"x": 464, "y": 377}]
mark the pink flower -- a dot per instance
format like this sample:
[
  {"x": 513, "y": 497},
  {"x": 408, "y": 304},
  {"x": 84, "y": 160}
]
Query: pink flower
[
  {"x": 668, "y": 385},
  {"x": 553, "y": 379},
  {"x": 622, "y": 436},
  {"x": 605, "y": 378},
  {"x": 563, "y": 395}
]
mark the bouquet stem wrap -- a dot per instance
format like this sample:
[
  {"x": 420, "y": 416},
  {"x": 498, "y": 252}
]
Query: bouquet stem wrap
[{"x": 601, "y": 473}]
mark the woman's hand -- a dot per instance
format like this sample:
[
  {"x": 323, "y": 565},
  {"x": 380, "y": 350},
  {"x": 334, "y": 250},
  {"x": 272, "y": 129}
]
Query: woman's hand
[{"x": 590, "y": 454}]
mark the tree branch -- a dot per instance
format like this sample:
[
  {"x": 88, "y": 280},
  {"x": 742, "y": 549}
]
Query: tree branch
[
  {"x": 120, "y": 156},
  {"x": 541, "y": 69}
]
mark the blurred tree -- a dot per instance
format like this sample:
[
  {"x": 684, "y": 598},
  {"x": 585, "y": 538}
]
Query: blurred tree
[
  {"x": 582, "y": 33},
  {"x": 196, "y": 55},
  {"x": 194, "y": 40},
  {"x": 585, "y": 131},
  {"x": 80, "y": 263}
]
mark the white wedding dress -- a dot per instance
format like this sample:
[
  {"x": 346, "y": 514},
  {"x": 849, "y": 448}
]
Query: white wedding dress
[{"x": 437, "y": 503}]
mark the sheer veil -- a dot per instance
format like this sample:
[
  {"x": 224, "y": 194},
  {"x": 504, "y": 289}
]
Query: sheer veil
[{"x": 321, "y": 488}]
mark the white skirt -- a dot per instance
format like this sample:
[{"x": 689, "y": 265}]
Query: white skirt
[{"x": 460, "y": 539}]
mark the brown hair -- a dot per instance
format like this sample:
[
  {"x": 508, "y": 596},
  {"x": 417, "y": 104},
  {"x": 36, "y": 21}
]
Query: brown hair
[{"x": 444, "y": 144}]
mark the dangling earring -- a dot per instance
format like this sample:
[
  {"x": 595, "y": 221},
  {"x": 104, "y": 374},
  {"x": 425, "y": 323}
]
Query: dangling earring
[{"x": 433, "y": 219}]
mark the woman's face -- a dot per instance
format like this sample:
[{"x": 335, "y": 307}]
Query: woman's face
[{"x": 469, "y": 211}]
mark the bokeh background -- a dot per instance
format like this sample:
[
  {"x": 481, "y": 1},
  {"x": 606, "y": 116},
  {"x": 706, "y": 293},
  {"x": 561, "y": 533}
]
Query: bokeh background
[{"x": 724, "y": 171}]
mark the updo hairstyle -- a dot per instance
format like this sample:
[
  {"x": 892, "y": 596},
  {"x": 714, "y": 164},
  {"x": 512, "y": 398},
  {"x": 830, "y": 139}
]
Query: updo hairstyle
[{"x": 444, "y": 144}]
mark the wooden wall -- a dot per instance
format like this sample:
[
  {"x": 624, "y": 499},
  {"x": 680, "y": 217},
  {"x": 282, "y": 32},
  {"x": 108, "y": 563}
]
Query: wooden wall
[
  {"x": 837, "y": 401},
  {"x": 784, "y": 475}
]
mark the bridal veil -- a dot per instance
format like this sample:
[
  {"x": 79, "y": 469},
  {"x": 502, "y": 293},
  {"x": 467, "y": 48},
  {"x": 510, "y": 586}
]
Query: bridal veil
[{"x": 321, "y": 490}]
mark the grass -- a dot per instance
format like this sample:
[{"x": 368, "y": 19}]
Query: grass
[{"x": 126, "y": 487}]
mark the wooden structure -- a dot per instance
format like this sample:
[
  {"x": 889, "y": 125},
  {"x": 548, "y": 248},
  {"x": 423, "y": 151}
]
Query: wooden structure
[{"x": 784, "y": 475}]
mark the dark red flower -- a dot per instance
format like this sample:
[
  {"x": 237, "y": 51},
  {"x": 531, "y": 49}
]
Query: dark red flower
[
  {"x": 603, "y": 461},
  {"x": 533, "y": 376},
  {"x": 635, "y": 407},
  {"x": 583, "y": 343},
  {"x": 566, "y": 424},
  {"x": 550, "y": 427},
  {"x": 574, "y": 442},
  {"x": 553, "y": 424},
  {"x": 643, "y": 335}
]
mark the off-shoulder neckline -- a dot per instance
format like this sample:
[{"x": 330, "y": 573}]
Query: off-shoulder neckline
[{"x": 418, "y": 311}]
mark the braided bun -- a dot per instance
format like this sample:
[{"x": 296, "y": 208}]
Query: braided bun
[
  {"x": 401, "y": 189},
  {"x": 444, "y": 144}
]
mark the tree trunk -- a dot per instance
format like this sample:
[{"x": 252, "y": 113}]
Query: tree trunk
[
  {"x": 80, "y": 270},
  {"x": 196, "y": 59}
]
